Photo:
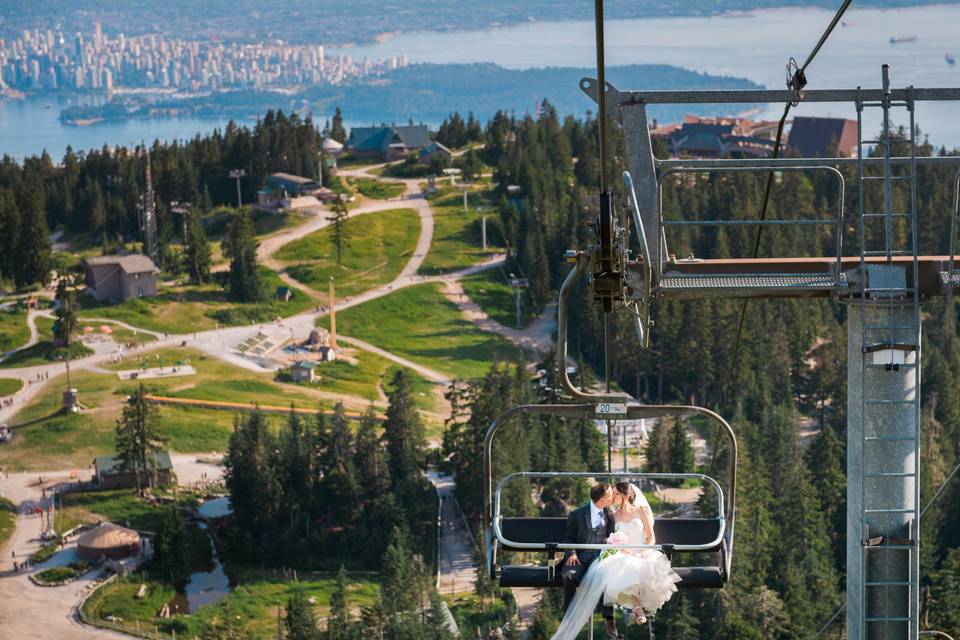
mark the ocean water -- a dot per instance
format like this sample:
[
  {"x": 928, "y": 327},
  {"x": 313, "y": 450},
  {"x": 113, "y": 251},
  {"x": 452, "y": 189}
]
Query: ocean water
[{"x": 756, "y": 46}]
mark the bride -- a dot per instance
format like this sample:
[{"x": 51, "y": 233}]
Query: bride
[{"x": 641, "y": 579}]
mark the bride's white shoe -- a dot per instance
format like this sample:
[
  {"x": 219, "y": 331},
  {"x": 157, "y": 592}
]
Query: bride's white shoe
[{"x": 636, "y": 618}]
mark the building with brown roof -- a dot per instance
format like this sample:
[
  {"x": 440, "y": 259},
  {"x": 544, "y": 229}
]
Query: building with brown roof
[
  {"x": 117, "y": 278},
  {"x": 823, "y": 137}
]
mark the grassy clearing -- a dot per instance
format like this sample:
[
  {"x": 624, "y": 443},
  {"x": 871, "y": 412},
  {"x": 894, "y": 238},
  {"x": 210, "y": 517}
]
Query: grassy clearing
[
  {"x": 8, "y": 520},
  {"x": 120, "y": 506},
  {"x": 9, "y": 386},
  {"x": 50, "y": 439},
  {"x": 420, "y": 324},
  {"x": 53, "y": 440},
  {"x": 378, "y": 246},
  {"x": 13, "y": 329},
  {"x": 44, "y": 353},
  {"x": 490, "y": 291},
  {"x": 252, "y": 605},
  {"x": 457, "y": 235},
  {"x": 186, "y": 309},
  {"x": 378, "y": 189}
]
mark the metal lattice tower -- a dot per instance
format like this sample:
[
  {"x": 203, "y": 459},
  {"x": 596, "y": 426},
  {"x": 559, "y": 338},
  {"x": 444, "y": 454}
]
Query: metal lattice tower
[
  {"x": 883, "y": 564},
  {"x": 883, "y": 282},
  {"x": 148, "y": 217}
]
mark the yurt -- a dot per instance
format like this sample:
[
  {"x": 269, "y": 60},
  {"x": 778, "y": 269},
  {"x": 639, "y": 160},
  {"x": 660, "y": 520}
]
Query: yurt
[{"x": 109, "y": 541}]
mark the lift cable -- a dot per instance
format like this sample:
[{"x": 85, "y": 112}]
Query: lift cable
[
  {"x": 940, "y": 490},
  {"x": 796, "y": 80},
  {"x": 826, "y": 626}
]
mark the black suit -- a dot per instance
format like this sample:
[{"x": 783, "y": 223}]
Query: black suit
[{"x": 580, "y": 531}]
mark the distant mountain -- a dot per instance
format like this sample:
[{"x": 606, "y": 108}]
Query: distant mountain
[
  {"x": 336, "y": 22},
  {"x": 429, "y": 92}
]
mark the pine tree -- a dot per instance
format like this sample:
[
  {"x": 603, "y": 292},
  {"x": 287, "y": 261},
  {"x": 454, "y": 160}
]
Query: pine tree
[
  {"x": 197, "y": 252},
  {"x": 339, "y": 484},
  {"x": 9, "y": 233},
  {"x": 138, "y": 440},
  {"x": 340, "y": 622},
  {"x": 676, "y": 621},
  {"x": 657, "y": 451},
  {"x": 403, "y": 433},
  {"x": 66, "y": 312},
  {"x": 33, "y": 246},
  {"x": 397, "y": 575},
  {"x": 339, "y": 235},
  {"x": 436, "y": 627},
  {"x": 681, "y": 452},
  {"x": 301, "y": 623},
  {"x": 240, "y": 245},
  {"x": 337, "y": 132},
  {"x": 172, "y": 545}
]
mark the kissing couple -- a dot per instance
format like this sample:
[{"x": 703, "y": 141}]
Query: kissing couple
[{"x": 638, "y": 579}]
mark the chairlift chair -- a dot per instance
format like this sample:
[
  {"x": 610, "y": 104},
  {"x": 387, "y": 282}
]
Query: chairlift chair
[{"x": 701, "y": 535}]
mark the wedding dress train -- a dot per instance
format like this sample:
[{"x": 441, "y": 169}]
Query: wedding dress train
[{"x": 642, "y": 573}]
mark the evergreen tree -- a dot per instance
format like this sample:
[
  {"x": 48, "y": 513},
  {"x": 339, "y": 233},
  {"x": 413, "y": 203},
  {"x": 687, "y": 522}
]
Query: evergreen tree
[
  {"x": 471, "y": 167},
  {"x": 9, "y": 233},
  {"x": 369, "y": 458},
  {"x": 339, "y": 234},
  {"x": 403, "y": 433},
  {"x": 658, "y": 448},
  {"x": 681, "y": 452},
  {"x": 676, "y": 621},
  {"x": 138, "y": 440},
  {"x": 240, "y": 245},
  {"x": 436, "y": 627},
  {"x": 33, "y": 246},
  {"x": 172, "y": 545},
  {"x": 337, "y": 132},
  {"x": 340, "y": 622},
  {"x": 339, "y": 484},
  {"x": 397, "y": 574},
  {"x": 66, "y": 312},
  {"x": 301, "y": 623},
  {"x": 197, "y": 252}
]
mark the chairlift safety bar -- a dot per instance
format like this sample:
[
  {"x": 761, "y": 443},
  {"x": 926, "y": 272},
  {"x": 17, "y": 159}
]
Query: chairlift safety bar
[{"x": 564, "y": 546}]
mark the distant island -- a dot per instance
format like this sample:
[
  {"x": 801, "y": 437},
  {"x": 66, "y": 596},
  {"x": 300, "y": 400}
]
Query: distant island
[{"x": 426, "y": 92}]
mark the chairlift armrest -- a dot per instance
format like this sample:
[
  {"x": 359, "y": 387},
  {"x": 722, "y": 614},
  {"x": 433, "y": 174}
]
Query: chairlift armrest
[{"x": 667, "y": 550}]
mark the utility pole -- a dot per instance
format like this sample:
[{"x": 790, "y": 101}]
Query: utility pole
[
  {"x": 483, "y": 232},
  {"x": 518, "y": 285},
  {"x": 333, "y": 318},
  {"x": 320, "y": 168},
  {"x": 237, "y": 174}
]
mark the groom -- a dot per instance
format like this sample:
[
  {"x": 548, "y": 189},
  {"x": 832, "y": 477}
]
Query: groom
[{"x": 590, "y": 524}]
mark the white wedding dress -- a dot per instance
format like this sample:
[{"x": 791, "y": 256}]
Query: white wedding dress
[{"x": 644, "y": 573}]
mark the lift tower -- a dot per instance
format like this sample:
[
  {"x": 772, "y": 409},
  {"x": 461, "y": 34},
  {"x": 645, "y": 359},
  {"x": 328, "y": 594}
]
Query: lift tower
[{"x": 883, "y": 280}]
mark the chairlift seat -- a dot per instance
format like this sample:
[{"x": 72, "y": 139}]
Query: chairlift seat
[{"x": 667, "y": 530}]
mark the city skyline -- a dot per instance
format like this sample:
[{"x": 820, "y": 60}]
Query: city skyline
[{"x": 50, "y": 60}]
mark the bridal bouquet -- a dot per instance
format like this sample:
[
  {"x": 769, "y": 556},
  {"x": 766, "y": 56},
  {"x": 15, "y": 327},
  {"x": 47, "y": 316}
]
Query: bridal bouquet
[{"x": 615, "y": 538}]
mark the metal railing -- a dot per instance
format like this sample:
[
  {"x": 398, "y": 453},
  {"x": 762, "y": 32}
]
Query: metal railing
[{"x": 564, "y": 546}]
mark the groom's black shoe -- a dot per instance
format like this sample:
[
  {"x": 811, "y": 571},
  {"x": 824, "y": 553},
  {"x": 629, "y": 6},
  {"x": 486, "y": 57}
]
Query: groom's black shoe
[{"x": 612, "y": 629}]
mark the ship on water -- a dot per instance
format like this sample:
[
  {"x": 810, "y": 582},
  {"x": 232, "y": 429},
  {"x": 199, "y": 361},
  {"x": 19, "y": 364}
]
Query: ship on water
[
  {"x": 950, "y": 59},
  {"x": 899, "y": 39}
]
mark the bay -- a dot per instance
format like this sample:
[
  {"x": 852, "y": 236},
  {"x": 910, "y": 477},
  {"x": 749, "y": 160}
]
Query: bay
[{"x": 755, "y": 46}]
